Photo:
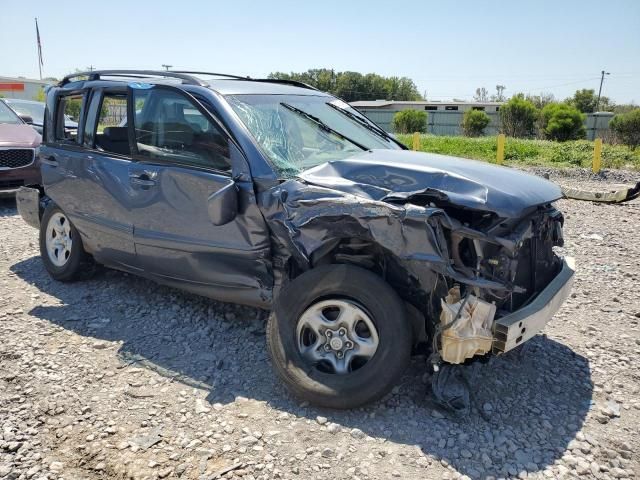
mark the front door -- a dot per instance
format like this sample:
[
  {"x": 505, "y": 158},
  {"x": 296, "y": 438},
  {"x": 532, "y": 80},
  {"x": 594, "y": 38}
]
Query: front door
[{"x": 183, "y": 158}]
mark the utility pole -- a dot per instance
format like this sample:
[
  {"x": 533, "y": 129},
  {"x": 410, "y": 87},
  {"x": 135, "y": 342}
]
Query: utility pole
[
  {"x": 600, "y": 90},
  {"x": 167, "y": 67}
]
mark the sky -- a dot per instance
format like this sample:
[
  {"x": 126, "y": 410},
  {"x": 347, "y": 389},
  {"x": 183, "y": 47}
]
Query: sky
[{"x": 449, "y": 48}]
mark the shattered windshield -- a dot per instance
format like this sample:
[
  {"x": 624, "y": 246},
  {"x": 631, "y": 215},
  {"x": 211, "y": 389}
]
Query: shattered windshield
[{"x": 298, "y": 132}]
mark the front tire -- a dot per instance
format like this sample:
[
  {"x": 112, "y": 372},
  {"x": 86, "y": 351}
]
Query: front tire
[
  {"x": 338, "y": 336},
  {"x": 61, "y": 246}
]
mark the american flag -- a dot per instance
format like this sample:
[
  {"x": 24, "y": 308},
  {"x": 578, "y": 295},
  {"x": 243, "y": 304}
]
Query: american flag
[{"x": 39, "y": 45}]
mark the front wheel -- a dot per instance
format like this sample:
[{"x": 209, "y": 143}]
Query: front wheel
[
  {"x": 61, "y": 246},
  {"x": 338, "y": 336}
]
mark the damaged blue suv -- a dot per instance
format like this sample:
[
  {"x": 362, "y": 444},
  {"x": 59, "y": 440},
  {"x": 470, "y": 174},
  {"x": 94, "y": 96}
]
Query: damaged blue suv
[{"x": 274, "y": 194}]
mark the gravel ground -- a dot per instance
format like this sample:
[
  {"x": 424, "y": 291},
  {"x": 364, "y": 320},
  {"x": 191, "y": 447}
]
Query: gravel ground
[{"x": 116, "y": 377}]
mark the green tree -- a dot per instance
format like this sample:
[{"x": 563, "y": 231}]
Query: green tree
[
  {"x": 626, "y": 127},
  {"x": 518, "y": 117},
  {"x": 586, "y": 101},
  {"x": 562, "y": 122},
  {"x": 474, "y": 122},
  {"x": 353, "y": 86},
  {"x": 410, "y": 121}
]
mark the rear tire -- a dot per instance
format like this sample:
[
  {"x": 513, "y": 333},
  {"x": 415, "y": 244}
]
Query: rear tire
[
  {"x": 61, "y": 247},
  {"x": 378, "y": 347}
]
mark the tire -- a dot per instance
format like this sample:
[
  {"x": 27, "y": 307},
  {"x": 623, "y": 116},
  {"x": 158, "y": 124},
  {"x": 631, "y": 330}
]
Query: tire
[
  {"x": 71, "y": 260},
  {"x": 359, "y": 293}
]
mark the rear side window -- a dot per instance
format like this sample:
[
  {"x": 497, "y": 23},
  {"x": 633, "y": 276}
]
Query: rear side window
[
  {"x": 170, "y": 128},
  {"x": 69, "y": 113},
  {"x": 111, "y": 131}
]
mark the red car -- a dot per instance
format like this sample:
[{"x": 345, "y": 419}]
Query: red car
[{"x": 19, "y": 144}]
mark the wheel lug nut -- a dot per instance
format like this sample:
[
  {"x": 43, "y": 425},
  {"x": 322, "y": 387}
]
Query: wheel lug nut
[
  {"x": 342, "y": 332},
  {"x": 340, "y": 354},
  {"x": 327, "y": 347},
  {"x": 349, "y": 345},
  {"x": 329, "y": 333}
]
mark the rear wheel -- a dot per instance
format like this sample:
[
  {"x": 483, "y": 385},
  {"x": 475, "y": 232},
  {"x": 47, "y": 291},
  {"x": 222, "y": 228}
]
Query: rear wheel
[
  {"x": 338, "y": 336},
  {"x": 61, "y": 246}
]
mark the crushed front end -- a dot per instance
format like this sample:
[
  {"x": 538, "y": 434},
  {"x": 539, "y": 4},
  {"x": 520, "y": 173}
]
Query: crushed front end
[{"x": 515, "y": 281}]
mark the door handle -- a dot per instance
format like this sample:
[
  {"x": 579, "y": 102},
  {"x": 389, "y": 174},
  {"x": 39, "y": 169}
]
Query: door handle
[{"x": 141, "y": 179}]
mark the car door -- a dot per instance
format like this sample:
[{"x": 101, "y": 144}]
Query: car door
[
  {"x": 185, "y": 162},
  {"x": 87, "y": 176}
]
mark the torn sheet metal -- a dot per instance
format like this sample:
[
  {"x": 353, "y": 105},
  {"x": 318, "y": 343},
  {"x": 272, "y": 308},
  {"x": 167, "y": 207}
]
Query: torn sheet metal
[
  {"x": 466, "y": 327},
  {"x": 303, "y": 218}
]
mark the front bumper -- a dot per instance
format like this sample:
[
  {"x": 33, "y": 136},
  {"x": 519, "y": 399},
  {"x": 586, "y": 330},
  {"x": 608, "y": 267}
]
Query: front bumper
[{"x": 516, "y": 328}]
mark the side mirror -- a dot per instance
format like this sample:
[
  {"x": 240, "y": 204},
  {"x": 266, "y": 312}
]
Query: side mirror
[
  {"x": 223, "y": 204},
  {"x": 26, "y": 118}
]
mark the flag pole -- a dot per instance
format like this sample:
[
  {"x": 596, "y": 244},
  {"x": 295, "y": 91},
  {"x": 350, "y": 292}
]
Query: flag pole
[{"x": 39, "y": 49}]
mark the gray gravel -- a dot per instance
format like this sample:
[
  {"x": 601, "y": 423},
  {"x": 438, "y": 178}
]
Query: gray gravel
[{"x": 116, "y": 377}]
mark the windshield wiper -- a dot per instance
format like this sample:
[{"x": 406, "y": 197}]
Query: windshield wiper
[
  {"x": 378, "y": 131},
  {"x": 322, "y": 125}
]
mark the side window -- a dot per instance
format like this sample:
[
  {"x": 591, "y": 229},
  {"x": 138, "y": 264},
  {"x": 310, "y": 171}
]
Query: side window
[
  {"x": 111, "y": 133},
  {"x": 170, "y": 128},
  {"x": 68, "y": 115}
]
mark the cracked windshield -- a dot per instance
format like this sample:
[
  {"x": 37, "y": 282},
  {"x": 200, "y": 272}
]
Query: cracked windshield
[{"x": 298, "y": 132}]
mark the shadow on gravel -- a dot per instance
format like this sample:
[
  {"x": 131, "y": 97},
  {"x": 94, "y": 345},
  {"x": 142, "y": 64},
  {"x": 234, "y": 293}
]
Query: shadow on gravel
[
  {"x": 527, "y": 406},
  {"x": 8, "y": 207}
]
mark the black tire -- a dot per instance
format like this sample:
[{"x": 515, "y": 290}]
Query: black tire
[
  {"x": 358, "y": 387},
  {"x": 78, "y": 262}
]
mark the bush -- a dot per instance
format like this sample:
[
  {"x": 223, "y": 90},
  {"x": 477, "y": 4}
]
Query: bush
[
  {"x": 474, "y": 122},
  {"x": 562, "y": 122},
  {"x": 518, "y": 117},
  {"x": 410, "y": 121},
  {"x": 626, "y": 127}
]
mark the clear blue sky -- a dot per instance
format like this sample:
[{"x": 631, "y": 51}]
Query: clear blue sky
[{"x": 447, "y": 47}]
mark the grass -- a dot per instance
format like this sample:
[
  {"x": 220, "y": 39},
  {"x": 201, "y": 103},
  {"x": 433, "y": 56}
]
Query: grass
[{"x": 576, "y": 153}]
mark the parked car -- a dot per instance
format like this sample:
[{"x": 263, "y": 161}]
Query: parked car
[
  {"x": 33, "y": 110},
  {"x": 273, "y": 194},
  {"x": 18, "y": 153}
]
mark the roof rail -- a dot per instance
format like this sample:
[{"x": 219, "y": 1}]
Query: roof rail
[
  {"x": 97, "y": 74},
  {"x": 187, "y": 76},
  {"x": 213, "y": 74},
  {"x": 294, "y": 83}
]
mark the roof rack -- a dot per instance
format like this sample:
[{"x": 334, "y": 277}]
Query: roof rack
[
  {"x": 97, "y": 74},
  {"x": 213, "y": 74},
  {"x": 294, "y": 83},
  {"x": 187, "y": 76}
]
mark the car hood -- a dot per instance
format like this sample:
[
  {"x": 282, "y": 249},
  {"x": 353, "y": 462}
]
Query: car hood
[
  {"x": 397, "y": 175},
  {"x": 20, "y": 136}
]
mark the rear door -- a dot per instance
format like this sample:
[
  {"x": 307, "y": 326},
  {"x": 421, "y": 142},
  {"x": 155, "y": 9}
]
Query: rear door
[
  {"x": 86, "y": 172},
  {"x": 183, "y": 157}
]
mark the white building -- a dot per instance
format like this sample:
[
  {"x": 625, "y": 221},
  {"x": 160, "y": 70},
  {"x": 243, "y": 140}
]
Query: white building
[{"x": 20, "y": 87}]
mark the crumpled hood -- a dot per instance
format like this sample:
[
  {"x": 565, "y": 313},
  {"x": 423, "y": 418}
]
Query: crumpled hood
[
  {"x": 23, "y": 136},
  {"x": 400, "y": 174}
]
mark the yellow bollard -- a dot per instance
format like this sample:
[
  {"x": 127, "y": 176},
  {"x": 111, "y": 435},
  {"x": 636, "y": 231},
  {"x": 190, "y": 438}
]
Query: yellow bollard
[
  {"x": 500, "y": 149},
  {"x": 597, "y": 155},
  {"x": 416, "y": 141}
]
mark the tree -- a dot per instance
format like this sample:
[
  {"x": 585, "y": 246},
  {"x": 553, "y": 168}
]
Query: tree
[
  {"x": 410, "y": 121},
  {"x": 481, "y": 95},
  {"x": 562, "y": 122},
  {"x": 474, "y": 122},
  {"x": 353, "y": 86},
  {"x": 541, "y": 100},
  {"x": 584, "y": 100},
  {"x": 499, "y": 96},
  {"x": 518, "y": 117},
  {"x": 626, "y": 127}
]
